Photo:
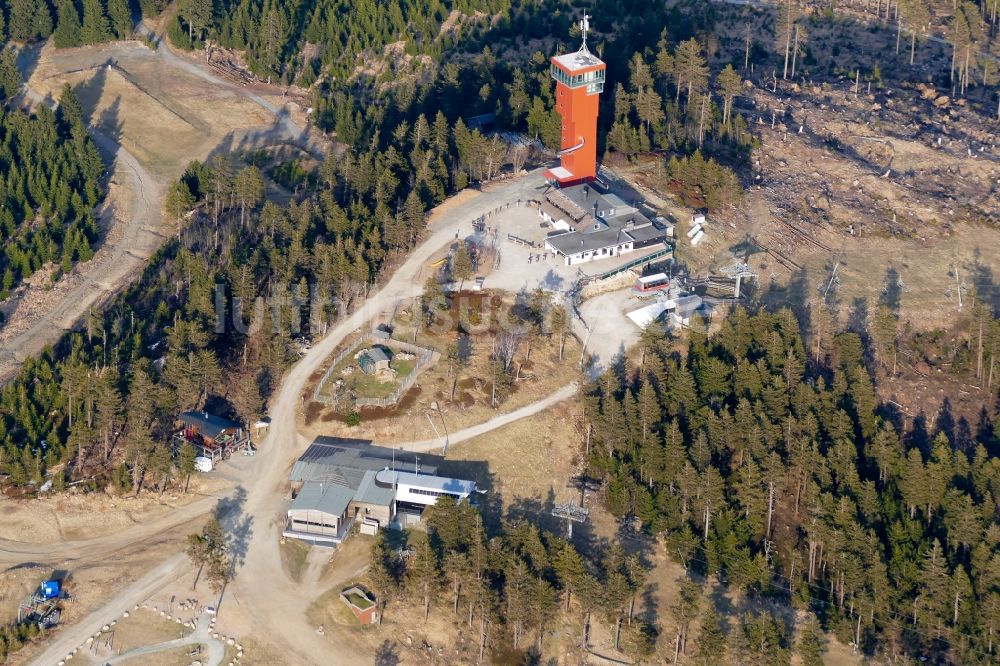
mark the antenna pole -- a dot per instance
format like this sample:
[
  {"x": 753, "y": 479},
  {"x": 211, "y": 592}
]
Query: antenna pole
[{"x": 585, "y": 28}]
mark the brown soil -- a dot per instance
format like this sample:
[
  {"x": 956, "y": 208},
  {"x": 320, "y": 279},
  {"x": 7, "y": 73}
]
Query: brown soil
[
  {"x": 541, "y": 374},
  {"x": 78, "y": 516}
]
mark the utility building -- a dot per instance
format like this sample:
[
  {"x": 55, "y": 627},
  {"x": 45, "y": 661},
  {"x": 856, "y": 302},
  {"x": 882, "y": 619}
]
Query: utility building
[
  {"x": 339, "y": 482},
  {"x": 579, "y": 83}
]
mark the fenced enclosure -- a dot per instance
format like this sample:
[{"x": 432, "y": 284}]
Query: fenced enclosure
[{"x": 424, "y": 357}]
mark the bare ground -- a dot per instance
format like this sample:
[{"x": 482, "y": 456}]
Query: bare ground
[
  {"x": 75, "y": 517},
  {"x": 863, "y": 189}
]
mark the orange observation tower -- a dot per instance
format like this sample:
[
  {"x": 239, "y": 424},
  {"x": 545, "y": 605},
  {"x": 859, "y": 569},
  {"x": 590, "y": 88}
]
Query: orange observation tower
[{"x": 579, "y": 83}]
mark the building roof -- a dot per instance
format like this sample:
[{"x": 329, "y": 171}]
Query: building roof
[
  {"x": 601, "y": 219},
  {"x": 209, "y": 425},
  {"x": 372, "y": 492},
  {"x": 336, "y": 459},
  {"x": 331, "y": 498},
  {"x": 571, "y": 206},
  {"x": 376, "y": 354},
  {"x": 582, "y": 59},
  {"x": 560, "y": 173},
  {"x": 619, "y": 204},
  {"x": 645, "y": 232},
  {"x": 646, "y": 315},
  {"x": 685, "y": 306},
  {"x": 438, "y": 483},
  {"x": 655, "y": 277},
  {"x": 575, "y": 242}
]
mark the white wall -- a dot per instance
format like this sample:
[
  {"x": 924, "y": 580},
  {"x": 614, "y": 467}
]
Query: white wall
[
  {"x": 584, "y": 257},
  {"x": 406, "y": 493}
]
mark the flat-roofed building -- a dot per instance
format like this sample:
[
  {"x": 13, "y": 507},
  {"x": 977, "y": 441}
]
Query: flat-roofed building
[
  {"x": 423, "y": 490},
  {"x": 337, "y": 482}
]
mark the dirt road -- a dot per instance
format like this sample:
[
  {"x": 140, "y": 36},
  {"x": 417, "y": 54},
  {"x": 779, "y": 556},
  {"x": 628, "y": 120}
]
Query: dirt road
[
  {"x": 277, "y": 608},
  {"x": 565, "y": 393},
  {"x": 70, "y": 638},
  {"x": 138, "y": 228},
  {"x": 115, "y": 263}
]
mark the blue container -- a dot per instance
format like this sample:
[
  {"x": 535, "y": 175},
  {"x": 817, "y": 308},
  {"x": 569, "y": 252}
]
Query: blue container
[{"x": 50, "y": 589}]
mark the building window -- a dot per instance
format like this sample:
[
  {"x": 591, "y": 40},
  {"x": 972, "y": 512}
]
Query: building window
[{"x": 433, "y": 493}]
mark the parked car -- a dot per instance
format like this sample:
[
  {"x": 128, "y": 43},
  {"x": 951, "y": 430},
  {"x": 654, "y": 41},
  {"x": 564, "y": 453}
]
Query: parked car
[{"x": 203, "y": 464}]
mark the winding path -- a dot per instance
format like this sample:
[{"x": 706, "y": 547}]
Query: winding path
[
  {"x": 142, "y": 230},
  {"x": 202, "y": 635},
  {"x": 262, "y": 600},
  {"x": 116, "y": 263},
  {"x": 499, "y": 421}
]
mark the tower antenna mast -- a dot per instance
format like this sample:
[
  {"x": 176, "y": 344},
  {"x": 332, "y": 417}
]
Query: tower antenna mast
[{"x": 585, "y": 28}]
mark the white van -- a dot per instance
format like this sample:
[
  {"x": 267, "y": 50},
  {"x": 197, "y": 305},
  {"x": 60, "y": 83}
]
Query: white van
[{"x": 203, "y": 464}]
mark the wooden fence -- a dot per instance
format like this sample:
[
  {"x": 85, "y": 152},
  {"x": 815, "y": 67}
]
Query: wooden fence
[
  {"x": 336, "y": 361},
  {"x": 424, "y": 358}
]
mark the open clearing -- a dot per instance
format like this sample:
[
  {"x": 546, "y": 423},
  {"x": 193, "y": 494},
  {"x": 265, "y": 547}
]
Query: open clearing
[
  {"x": 526, "y": 463},
  {"x": 871, "y": 183},
  {"x": 165, "y": 117},
  {"x": 75, "y": 517},
  {"x": 541, "y": 373}
]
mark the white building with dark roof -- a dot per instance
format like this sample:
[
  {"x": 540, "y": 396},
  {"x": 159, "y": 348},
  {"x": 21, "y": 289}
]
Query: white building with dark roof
[{"x": 592, "y": 224}]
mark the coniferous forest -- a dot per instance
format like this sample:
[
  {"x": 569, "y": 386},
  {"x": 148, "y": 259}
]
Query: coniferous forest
[
  {"x": 788, "y": 478},
  {"x": 761, "y": 455},
  {"x": 50, "y": 182}
]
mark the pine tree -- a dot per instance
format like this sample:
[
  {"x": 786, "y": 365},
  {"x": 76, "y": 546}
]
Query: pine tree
[
  {"x": 690, "y": 69},
  {"x": 21, "y": 16},
  {"x": 784, "y": 31},
  {"x": 915, "y": 15},
  {"x": 933, "y": 599},
  {"x": 185, "y": 462},
  {"x": 249, "y": 190},
  {"x": 812, "y": 643},
  {"x": 381, "y": 574},
  {"x": 120, "y": 12},
  {"x": 96, "y": 28},
  {"x": 10, "y": 76},
  {"x": 41, "y": 22},
  {"x": 711, "y": 643},
  {"x": 422, "y": 574},
  {"x": 683, "y": 611},
  {"x": 461, "y": 264},
  {"x": 68, "y": 30},
  {"x": 728, "y": 85},
  {"x": 198, "y": 15}
]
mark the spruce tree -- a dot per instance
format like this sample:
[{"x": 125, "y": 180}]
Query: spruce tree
[
  {"x": 21, "y": 13},
  {"x": 41, "y": 22},
  {"x": 10, "y": 77},
  {"x": 711, "y": 643},
  {"x": 96, "y": 28},
  {"x": 68, "y": 29},
  {"x": 812, "y": 643},
  {"x": 120, "y": 12}
]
